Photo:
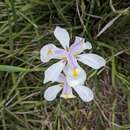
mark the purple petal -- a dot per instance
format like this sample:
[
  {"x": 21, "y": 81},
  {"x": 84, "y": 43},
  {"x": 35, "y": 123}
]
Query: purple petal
[
  {"x": 72, "y": 61},
  {"x": 67, "y": 92},
  {"x": 59, "y": 53},
  {"x": 76, "y": 46},
  {"x": 66, "y": 88},
  {"x": 79, "y": 46}
]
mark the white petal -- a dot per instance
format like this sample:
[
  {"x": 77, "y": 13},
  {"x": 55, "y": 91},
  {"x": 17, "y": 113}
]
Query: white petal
[
  {"x": 53, "y": 72},
  {"x": 87, "y": 45},
  {"x": 44, "y": 52},
  {"x": 92, "y": 60},
  {"x": 84, "y": 92},
  {"x": 62, "y": 36},
  {"x": 78, "y": 80},
  {"x": 49, "y": 52},
  {"x": 51, "y": 92},
  {"x": 65, "y": 69}
]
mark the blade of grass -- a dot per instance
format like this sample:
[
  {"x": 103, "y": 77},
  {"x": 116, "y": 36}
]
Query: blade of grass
[
  {"x": 113, "y": 69},
  {"x": 9, "y": 68},
  {"x": 128, "y": 107}
]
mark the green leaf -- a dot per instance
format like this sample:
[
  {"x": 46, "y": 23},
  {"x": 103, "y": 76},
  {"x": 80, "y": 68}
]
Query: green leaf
[{"x": 9, "y": 68}]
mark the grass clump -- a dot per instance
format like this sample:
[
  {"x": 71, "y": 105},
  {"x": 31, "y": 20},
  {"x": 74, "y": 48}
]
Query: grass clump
[{"x": 27, "y": 25}]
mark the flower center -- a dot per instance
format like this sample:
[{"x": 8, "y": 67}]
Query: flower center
[
  {"x": 49, "y": 52},
  {"x": 75, "y": 72}
]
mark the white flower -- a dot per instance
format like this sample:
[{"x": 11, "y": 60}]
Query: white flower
[
  {"x": 70, "y": 56},
  {"x": 84, "y": 92}
]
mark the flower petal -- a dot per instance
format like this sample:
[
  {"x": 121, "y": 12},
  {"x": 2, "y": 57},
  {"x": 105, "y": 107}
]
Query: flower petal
[
  {"x": 49, "y": 52},
  {"x": 61, "y": 78},
  {"x": 78, "y": 40},
  {"x": 85, "y": 93},
  {"x": 76, "y": 76},
  {"x": 92, "y": 60},
  {"x": 62, "y": 36},
  {"x": 87, "y": 45},
  {"x": 79, "y": 46},
  {"x": 53, "y": 72},
  {"x": 72, "y": 61},
  {"x": 51, "y": 92},
  {"x": 67, "y": 92}
]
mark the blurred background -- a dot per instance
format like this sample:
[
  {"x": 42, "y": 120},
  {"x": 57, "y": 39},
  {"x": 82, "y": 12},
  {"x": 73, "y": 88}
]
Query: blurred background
[{"x": 26, "y": 26}]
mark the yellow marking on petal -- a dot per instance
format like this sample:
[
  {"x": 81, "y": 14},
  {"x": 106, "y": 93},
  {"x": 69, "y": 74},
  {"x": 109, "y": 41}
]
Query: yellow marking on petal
[
  {"x": 67, "y": 96},
  {"x": 50, "y": 52},
  {"x": 75, "y": 72}
]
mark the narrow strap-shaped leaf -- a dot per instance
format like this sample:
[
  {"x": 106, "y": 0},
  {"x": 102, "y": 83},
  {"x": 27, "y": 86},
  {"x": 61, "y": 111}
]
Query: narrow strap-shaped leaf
[{"x": 9, "y": 68}]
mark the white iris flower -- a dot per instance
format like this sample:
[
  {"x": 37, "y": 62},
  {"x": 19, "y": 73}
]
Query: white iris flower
[
  {"x": 69, "y": 56},
  {"x": 84, "y": 92}
]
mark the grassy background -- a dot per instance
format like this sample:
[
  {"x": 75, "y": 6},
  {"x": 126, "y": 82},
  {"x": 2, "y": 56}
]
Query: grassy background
[{"x": 27, "y": 25}]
